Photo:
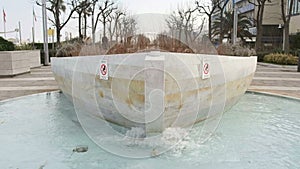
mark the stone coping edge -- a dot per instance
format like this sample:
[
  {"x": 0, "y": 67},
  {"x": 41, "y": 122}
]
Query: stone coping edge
[
  {"x": 20, "y": 97},
  {"x": 273, "y": 94}
]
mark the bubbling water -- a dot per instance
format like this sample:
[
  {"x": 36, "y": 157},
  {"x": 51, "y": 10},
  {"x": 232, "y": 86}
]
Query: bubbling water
[{"x": 177, "y": 138}]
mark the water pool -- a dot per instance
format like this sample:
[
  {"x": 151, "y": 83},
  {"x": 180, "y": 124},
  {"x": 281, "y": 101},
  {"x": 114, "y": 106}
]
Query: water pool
[{"x": 40, "y": 131}]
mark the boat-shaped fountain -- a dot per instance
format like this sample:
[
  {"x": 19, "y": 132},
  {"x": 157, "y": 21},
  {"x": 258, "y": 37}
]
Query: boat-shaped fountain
[{"x": 154, "y": 89}]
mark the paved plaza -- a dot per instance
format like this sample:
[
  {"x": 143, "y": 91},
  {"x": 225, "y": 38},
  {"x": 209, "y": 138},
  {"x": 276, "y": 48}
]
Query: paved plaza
[
  {"x": 37, "y": 81},
  {"x": 283, "y": 80}
]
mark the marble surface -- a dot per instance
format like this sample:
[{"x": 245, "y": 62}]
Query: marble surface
[
  {"x": 154, "y": 90},
  {"x": 18, "y": 62}
]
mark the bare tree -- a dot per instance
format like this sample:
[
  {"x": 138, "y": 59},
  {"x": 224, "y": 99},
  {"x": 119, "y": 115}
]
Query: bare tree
[
  {"x": 94, "y": 23},
  {"x": 188, "y": 25},
  {"x": 118, "y": 23},
  {"x": 260, "y": 5},
  {"x": 56, "y": 7},
  {"x": 209, "y": 10},
  {"x": 286, "y": 18},
  {"x": 175, "y": 24},
  {"x": 105, "y": 11},
  {"x": 86, "y": 13},
  {"x": 128, "y": 28},
  {"x": 184, "y": 22},
  {"x": 113, "y": 24},
  {"x": 82, "y": 11}
]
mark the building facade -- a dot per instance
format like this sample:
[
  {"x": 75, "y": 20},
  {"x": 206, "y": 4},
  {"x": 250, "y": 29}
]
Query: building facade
[
  {"x": 295, "y": 18},
  {"x": 272, "y": 19}
]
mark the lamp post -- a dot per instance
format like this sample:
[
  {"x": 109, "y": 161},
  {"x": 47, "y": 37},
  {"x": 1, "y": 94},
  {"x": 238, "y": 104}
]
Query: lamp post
[
  {"x": 235, "y": 20},
  {"x": 298, "y": 60},
  {"x": 20, "y": 33},
  {"x": 281, "y": 26},
  {"x": 45, "y": 32}
]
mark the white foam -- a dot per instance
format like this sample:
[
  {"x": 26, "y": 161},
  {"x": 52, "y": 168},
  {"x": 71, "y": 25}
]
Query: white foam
[
  {"x": 176, "y": 138},
  {"x": 136, "y": 132}
]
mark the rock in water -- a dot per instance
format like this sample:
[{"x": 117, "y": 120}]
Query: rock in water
[{"x": 81, "y": 149}]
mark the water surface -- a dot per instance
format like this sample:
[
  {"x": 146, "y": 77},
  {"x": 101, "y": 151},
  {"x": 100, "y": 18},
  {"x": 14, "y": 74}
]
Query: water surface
[{"x": 260, "y": 132}]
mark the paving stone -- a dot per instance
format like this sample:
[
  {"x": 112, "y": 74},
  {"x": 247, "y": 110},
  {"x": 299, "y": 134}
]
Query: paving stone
[{"x": 37, "y": 81}]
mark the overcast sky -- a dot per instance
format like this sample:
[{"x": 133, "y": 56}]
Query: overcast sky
[{"x": 22, "y": 10}]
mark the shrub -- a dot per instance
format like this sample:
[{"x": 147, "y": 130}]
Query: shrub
[
  {"x": 24, "y": 47},
  {"x": 261, "y": 55},
  {"x": 295, "y": 41},
  {"x": 6, "y": 45},
  {"x": 283, "y": 59},
  {"x": 69, "y": 49},
  {"x": 235, "y": 50}
]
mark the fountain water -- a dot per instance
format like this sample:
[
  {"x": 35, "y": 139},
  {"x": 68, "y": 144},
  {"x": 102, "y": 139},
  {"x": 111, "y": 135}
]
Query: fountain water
[{"x": 259, "y": 132}]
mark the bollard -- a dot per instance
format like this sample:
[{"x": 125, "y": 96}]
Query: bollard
[{"x": 299, "y": 60}]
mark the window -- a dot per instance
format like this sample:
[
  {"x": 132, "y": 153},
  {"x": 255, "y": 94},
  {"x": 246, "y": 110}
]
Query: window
[{"x": 296, "y": 7}]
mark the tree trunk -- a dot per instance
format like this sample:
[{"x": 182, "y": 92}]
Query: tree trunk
[
  {"x": 104, "y": 28},
  {"x": 186, "y": 35},
  {"x": 209, "y": 27},
  {"x": 104, "y": 38},
  {"x": 58, "y": 29},
  {"x": 221, "y": 28},
  {"x": 180, "y": 31},
  {"x": 110, "y": 31},
  {"x": 58, "y": 36},
  {"x": 117, "y": 34},
  {"x": 93, "y": 26},
  {"x": 85, "y": 24},
  {"x": 258, "y": 43},
  {"x": 286, "y": 37},
  {"x": 57, "y": 25},
  {"x": 259, "y": 27},
  {"x": 79, "y": 26},
  {"x": 286, "y": 17}
]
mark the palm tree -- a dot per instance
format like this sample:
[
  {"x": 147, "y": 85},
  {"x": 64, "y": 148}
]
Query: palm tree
[{"x": 242, "y": 29}]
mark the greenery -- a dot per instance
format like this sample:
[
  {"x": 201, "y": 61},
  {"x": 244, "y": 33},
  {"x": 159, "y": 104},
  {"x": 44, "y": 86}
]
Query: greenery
[
  {"x": 24, "y": 47},
  {"x": 227, "y": 24},
  {"x": 280, "y": 58},
  {"x": 295, "y": 41},
  {"x": 235, "y": 50},
  {"x": 261, "y": 55},
  {"x": 6, "y": 45},
  {"x": 69, "y": 49}
]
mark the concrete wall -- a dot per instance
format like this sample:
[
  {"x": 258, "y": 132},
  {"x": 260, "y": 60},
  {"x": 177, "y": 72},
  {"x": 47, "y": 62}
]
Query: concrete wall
[
  {"x": 272, "y": 13},
  {"x": 294, "y": 25},
  {"x": 34, "y": 58},
  {"x": 18, "y": 62}
]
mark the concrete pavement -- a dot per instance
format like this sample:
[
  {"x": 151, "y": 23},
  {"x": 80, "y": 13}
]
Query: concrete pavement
[
  {"x": 283, "y": 80},
  {"x": 37, "y": 81},
  {"x": 277, "y": 79}
]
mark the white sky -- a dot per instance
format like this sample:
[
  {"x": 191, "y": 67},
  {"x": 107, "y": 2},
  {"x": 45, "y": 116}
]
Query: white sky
[{"x": 22, "y": 10}]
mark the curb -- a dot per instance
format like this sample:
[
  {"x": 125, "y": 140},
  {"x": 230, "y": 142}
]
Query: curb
[
  {"x": 277, "y": 66},
  {"x": 273, "y": 94},
  {"x": 21, "y": 97}
]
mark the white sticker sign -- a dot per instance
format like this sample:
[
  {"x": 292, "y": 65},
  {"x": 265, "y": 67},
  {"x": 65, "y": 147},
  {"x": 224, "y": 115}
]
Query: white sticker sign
[
  {"x": 103, "y": 70},
  {"x": 205, "y": 70}
]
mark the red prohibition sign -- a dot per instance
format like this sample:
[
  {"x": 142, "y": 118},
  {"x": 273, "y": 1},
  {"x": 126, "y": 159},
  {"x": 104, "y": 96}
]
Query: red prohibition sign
[
  {"x": 206, "y": 68},
  {"x": 103, "y": 69}
]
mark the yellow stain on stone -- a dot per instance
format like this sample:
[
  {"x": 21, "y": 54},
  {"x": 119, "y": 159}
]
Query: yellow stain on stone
[{"x": 101, "y": 94}]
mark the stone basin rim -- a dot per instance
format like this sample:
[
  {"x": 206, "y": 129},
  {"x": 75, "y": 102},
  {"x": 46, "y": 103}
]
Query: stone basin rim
[
  {"x": 273, "y": 95},
  {"x": 247, "y": 92},
  {"x": 35, "y": 94}
]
